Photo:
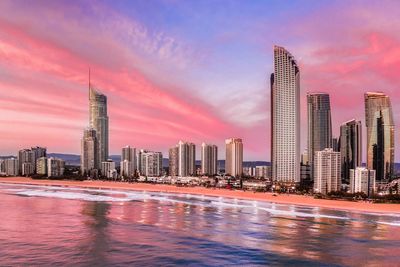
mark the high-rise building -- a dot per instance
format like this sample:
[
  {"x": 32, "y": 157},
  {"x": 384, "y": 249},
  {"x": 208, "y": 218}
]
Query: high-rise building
[
  {"x": 108, "y": 169},
  {"x": 98, "y": 120},
  {"x": 27, "y": 159},
  {"x": 128, "y": 161},
  {"x": 336, "y": 144},
  {"x": 209, "y": 159},
  {"x": 304, "y": 158},
  {"x": 27, "y": 169},
  {"x": 187, "y": 159},
  {"x": 55, "y": 167},
  {"x": 41, "y": 166},
  {"x": 327, "y": 171},
  {"x": 350, "y": 147},
  {"x": 362, "y": 180},
  {"x": 174, "y": 161},
  {"x": 285, "y": 117},
  {"x": 380, "y": 135},
  {"x": 89, "y": 151},
  {"x": 150, "y": 163},
  {"x": 319, "y": 125},
  {"x": 234, "y": 157},
  {"x": 262, "y": 172},
  {"x": 11, "y": 166},
  {"x": 249, "y": 171},
  {"x": 2, "y": 167}
]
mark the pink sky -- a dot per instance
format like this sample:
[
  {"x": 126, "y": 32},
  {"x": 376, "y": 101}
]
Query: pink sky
[{"x": 172, "y": 80}]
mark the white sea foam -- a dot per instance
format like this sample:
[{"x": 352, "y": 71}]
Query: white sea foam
[{"x": 390, "y": 223}]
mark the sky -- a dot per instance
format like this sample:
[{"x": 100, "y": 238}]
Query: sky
[{"x": 185, "y": 70}]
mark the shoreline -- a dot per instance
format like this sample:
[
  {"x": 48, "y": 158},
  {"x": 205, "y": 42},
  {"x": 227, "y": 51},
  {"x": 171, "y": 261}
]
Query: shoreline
[{"x": 287, "y": 199}]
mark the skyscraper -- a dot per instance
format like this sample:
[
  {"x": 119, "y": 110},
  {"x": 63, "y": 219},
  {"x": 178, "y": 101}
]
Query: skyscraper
[
  {"x": 319, "y": 125},
  {"x": 285, "y": 117},
  {"x": 380, "y": 135},
  {"x": 98, "y": 120},
  {"x": 362, "y": 180},
  {"x": 187, "y": 159},
  {"x": 234, "y": 157},
  {"x": 89, "y": 151},
  {"x": 55, "y": 167},
  {"x": 327, "y": 171},
  {"x": 150, "y": 163},
  {"x": 174, "y": 161},
  {"x": 209, "y": 159},
  {"x": 350, "y": 147}
]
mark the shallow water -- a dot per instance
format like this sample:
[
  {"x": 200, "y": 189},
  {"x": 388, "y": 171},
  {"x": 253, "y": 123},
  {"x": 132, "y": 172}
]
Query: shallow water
[{"x": 43, "y": 225}]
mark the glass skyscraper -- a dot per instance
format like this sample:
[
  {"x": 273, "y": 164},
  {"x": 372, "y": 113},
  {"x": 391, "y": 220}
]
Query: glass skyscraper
[
  {"x": 350, "y": 147},
  {"x": 380, "y": 135}
]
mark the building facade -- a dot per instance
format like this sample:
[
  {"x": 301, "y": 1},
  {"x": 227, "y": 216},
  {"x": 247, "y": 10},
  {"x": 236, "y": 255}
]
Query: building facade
[
  {"x": 55, "y": 167},
  {"x": 362, "y": 180},
  {"x": 108, "y": 169},
  {"x": 234, "y": 157},
  {"x": 150, "y": 163},
  {"x": 89, "y": 152},
  {"x": 98, "y": 120},
  {"x": 327, "y": 171},
  {"x": 350, "y": 147},
  {"x": 128, "y": 161},
  {"x": 187, "y": 159},
  {"x": 11, "y": 166},
  {"x": 41, "y": 166},
  {"x": 319, "y": 125},
  {"x": 285, "y": 117},
  {"x": 380, "y": 135},
  {"x": 174, "y": 161},
  {"x": 209, "y": 159}
]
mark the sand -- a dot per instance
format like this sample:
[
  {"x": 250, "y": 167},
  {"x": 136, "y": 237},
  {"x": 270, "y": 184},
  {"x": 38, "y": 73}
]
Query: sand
[{"x": 247, "y": 195}]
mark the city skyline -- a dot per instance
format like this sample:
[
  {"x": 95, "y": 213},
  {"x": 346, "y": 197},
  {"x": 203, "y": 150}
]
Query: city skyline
[{"x": 51, "y": 72}]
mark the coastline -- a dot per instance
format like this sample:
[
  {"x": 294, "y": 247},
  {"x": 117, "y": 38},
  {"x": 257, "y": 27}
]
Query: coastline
[{"x": 245, "y": 195}]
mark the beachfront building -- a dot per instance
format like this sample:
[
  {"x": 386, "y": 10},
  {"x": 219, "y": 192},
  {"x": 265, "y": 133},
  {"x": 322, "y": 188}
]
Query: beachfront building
[
  {"x": 285, "y": 118},
  {"x": 234, "y": 157},
  {"x": 11, "y": 166},
  {"x": 262, "y": 172},
  {"x": 319, "y": 125},
  {"x": 55, "y": 167},
  {"x": 362, "y": 180},
  {"x": 174, "y": 161},
  {"x": 327, "y": 171},
  {"x": 108, "y": 169},
  {"x": 150, "y": 163},
  {"x": 128, "y": 161},
  {"x": 98, "y": 120},
  {"x": 350, "y": 147},
  {"x": 380, "y": 135},
  {"x": 89, "y": 151},
  {"x": 209, "y": 159},
  {"x": 27, "y": 159},
  {"x": 41, "y": 166}
]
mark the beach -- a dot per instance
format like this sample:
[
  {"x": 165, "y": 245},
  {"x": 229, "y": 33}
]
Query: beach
[{"x": 246, "y": 195}]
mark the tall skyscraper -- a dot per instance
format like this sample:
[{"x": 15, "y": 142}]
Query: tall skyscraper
[
  {"x": 89, "y": 151},
  {"x": 319, "y": 125},
  {"x": 174, "y": 161},
  {"x": 380, "y": 135},
  {"x": 350, "y": 147},
  {"x": 234, "y": 157},
  {"x": 327, "y": 176},
  {"x": 209, "y": 159},
  {"x": 187, "y": 159},
  {"x": 285, "y": 117},
  {"x": 98, "y": 120}
]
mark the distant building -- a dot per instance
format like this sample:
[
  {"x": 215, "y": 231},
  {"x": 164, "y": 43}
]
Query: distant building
[
  {"x": 2, "y": 167},
  {"x": 262, "y": 172},
  {"x": 41, "y": 166},
  {"x": 350, "y": 147},
  {"x": 27, "y": 169},
  {"x": 380, "y": 135},
  {"x": 89, "y": 151},
  {"x": 304, "y": 158},
  {"x": 209, "y": 159},
  {"x": 150, "y": 163},
  {"x": 128, "y": 161},
  {"x": 327, "y": 176},
  {"x": 285, "y": 117},
  {"x": 11, "y": 166},
  {"x": 234, "y": 157},
  {"x": 305, "y": 174},
  {"x": 319, "y": 125},
  {"x": 249, "y": 171},
  {"x": 362, "y": 180},
  {"x": 174, "y": 161},
  {"x": 187, "y": 159},
  {"x": 55, "y": 167},
  {"x": 27, "y": 159},
  {"x": 108, "y": 169},
  {"x": 336, "y": 144}
]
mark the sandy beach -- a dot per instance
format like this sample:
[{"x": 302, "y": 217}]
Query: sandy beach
[{"x": 247, "y": 195}]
